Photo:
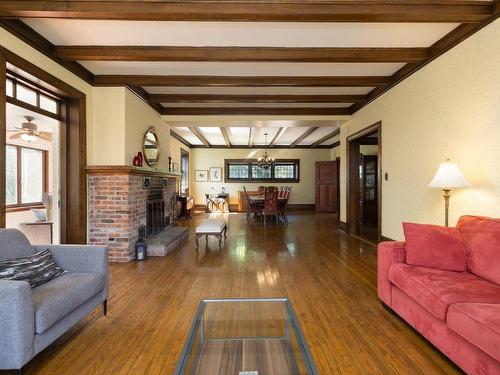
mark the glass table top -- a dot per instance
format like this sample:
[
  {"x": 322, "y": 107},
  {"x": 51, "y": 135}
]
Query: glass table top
[{"x": 245, "y": 337}]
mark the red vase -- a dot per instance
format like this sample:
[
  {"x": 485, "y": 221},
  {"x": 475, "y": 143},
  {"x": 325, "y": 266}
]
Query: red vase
[
  {"x": 139, "y": 156},
  {"x": 135, "y": 161}
]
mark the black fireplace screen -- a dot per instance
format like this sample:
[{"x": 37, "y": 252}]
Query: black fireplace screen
[{"x": 155, "y": 215}]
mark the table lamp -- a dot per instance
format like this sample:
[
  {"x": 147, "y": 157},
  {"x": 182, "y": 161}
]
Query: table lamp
[{"x": 448, "y": 177}]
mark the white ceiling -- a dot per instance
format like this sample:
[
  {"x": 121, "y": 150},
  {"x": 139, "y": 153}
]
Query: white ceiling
[{"x": 274, "y": 34}]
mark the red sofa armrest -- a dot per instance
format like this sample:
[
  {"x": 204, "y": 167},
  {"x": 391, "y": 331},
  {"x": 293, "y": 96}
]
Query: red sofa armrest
[{"x": 388, "y": 253}]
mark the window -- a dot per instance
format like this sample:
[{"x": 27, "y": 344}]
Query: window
[
  {"x": 26, "y": 176},
  {"x": 32, "y": 96},
  {"x": 283, "y": 170}
]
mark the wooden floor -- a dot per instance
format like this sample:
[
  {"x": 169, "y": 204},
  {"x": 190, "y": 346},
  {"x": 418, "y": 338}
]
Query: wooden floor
[{"x": 329, "y": 277}]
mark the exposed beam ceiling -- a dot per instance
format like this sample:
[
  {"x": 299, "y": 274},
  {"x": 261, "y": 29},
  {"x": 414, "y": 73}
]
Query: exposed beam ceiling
[
  {"x": 306, "y": 134},
  {"x": 179, "y": 138},
  {"x": 238, "y": 81},
  {"x": 211, "y": 98},
  {"x": 200, "y": 136},
  {"x": 326, "y": 138},
  {"x": 243, "y": 54},
  {"x": 304, "y": 11},
  {"x": 226, "y": 136},
  {"x": 279, "y": 133},
  {"x": 251, "y": 135}
]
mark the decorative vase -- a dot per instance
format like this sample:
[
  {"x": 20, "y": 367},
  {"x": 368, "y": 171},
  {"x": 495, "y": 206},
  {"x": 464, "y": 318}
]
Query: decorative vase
[
  {"x": 170, "y": 164},
  {"x": 135, "y": 161},
  {"x": 139, "y": 156}
]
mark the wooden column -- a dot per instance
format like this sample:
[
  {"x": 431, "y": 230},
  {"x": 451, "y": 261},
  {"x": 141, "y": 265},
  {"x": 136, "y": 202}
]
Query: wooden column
[{"x": 3, "y": 129}]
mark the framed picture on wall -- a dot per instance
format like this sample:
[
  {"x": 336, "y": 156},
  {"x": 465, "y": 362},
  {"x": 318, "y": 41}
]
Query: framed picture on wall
[
  {"x": 200, "y": 175},
  {"x": 216, "y": 174}
]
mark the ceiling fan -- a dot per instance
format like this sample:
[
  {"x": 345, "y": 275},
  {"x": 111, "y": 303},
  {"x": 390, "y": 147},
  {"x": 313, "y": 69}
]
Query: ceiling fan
[{"x": 28, "y": 132}]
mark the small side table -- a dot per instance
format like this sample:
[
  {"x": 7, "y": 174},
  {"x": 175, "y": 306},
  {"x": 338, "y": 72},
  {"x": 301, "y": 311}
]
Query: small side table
[{"x": 49, "y": 223}]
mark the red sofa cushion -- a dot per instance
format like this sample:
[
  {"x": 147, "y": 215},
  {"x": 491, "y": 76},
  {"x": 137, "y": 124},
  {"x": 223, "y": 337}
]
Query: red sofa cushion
[
  {"x": 436, "y": 289},
  {"x": 482, "y": 238},
  {"x": 434, "y": 246},
  {"x": 478, "y": 323}
]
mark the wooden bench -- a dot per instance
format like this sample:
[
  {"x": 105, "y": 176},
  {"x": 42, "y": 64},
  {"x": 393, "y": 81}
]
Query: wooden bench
[{"x": 213, "y": 227}]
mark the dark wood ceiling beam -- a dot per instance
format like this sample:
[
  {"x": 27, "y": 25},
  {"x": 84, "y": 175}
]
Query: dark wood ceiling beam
[
  {"x": 180, "y": 139},
  {"x": 225, "y": 136},
  {"x": 306, "y": 134},
  {"x": 216, "y": 98},
  {"x": 279, "y": 133},
  {"x": 229, "y": 111},
  {"x": 144, "y": 95},
  {"x": 326, "y": 138},
  {"x": 303, "y": 11},
  {"x": 198, "y": 135},
  {"x": 240, "y": 54},
  {"x": 241, "y": 81}
]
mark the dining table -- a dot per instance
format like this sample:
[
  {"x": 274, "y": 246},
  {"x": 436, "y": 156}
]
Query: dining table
[{"x": 260, "y": 199}]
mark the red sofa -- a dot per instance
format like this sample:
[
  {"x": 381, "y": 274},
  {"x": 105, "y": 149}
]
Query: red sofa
[{"x": 458, "y": 311}]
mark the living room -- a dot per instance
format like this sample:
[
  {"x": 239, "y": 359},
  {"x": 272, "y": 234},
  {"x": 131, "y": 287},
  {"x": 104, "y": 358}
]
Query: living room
[{"x": 236, "y": 188}]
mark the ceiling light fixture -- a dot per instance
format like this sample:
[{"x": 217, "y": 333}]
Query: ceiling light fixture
[{"x": 265, "y": 161}]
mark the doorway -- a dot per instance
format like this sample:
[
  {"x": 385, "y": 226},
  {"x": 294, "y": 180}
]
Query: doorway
[
  {"x": 41, "y": 95},
  {"x": 364, "y": 183}
]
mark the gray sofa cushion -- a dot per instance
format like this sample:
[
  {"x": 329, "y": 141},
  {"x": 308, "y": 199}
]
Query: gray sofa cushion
[
  {"x": 58, "y": 297},
  {"x": 14, "y": 244}
]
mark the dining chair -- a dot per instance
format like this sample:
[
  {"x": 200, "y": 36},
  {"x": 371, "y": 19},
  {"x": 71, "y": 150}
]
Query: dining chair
[
  {"x": 270, "y": 205},
  {"x": 283, "y": 206},
  {"x": 261, "y": 190},
  {"x": 253, "y": 208}
]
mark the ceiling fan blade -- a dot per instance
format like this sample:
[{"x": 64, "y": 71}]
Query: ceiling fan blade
[
  {"x": 15, "y": 136},
  {"x": 45, "y": 136}
]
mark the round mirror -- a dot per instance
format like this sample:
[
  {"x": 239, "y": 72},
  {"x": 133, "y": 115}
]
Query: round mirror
[{"x": 151, "y": 147}]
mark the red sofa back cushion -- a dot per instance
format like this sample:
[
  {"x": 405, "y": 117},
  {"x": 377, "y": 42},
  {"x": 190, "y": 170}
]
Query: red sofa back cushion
[
  {"x": 482, "y": 238},
  {"x": 434, "y": 246}
]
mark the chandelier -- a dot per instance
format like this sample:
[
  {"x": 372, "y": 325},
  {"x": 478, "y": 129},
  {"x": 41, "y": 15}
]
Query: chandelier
[{"x": 265, "y": 161}]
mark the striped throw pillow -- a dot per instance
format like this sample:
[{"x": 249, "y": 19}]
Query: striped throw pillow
[{"x": 36, "y": 269}]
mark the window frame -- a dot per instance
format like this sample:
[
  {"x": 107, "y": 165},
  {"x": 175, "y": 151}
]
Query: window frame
[
  {"x": 19, "y": 206},
  {"x": 250, "y": 162},
  {"x": 38, "y": 92}
]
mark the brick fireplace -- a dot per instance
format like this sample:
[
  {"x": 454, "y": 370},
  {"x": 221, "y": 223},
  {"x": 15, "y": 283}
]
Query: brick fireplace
[{"x": 118, "y": 203}]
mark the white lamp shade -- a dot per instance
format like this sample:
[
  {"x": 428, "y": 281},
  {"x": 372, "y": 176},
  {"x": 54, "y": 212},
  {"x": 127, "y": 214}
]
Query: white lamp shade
[{"x": 449, "y": 176}]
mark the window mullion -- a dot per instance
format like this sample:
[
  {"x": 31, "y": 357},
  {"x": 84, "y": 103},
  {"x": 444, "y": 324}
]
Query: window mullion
[{"x": 19, "y": 177}]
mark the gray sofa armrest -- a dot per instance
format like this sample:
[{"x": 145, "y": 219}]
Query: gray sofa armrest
[
  {"x": 17, "y": 324},
  {"x": 81, "y": 258}
]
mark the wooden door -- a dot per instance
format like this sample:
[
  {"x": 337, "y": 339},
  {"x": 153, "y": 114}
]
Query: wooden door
[{"x": 326, "y": 186}]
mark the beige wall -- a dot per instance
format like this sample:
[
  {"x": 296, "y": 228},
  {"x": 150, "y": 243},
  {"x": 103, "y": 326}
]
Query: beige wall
[
  {"x": 302, "y": 193},
  {"x": 139, "y": 116},
  {"x": 448, "y": 109},
  {"x": 368, "y": 149}
]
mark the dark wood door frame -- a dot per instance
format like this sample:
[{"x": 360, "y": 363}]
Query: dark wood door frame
[
  {"x": 352, "y": 180},
  {"x": 73, "y": 147}
]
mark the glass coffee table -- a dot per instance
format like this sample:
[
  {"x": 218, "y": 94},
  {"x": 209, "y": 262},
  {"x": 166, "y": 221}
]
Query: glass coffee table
[{"x": 259, "y": 336}]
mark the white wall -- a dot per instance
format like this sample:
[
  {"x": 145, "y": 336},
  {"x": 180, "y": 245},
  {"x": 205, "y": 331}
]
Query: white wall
[
  {"x": 302, "y": 193},
  {"x": 448, "y": 109}
]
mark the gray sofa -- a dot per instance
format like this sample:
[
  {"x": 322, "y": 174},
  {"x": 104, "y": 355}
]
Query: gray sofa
[{"x": 31, "y": 319}]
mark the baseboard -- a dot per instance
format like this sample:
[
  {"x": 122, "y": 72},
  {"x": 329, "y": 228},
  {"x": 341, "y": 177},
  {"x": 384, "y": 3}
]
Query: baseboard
[
  {"x": 343, "y": 226},
  {"x": 301, "y": 207}
]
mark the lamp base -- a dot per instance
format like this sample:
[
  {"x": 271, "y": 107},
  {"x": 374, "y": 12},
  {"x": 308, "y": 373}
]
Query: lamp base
[{"x": 447, "y": 196}]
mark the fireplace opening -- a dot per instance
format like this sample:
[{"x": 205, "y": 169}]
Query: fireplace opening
[{"x": 156, "y": 220}]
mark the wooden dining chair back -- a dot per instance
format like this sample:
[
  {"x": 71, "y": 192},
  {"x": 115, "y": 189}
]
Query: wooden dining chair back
[
  {"x": 271, "y": 205},
  {"x": 261, "y": 190},
  {"x": 252, "y": 207},
  {"x": 284, "y": 205}
]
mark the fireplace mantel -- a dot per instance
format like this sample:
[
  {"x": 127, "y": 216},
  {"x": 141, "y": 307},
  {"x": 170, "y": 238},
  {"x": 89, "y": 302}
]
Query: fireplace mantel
[{"x": 127, "y": 169}]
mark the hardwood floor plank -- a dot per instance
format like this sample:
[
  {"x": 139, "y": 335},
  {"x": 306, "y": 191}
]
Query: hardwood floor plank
[{"x": 330, "y": 279}]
